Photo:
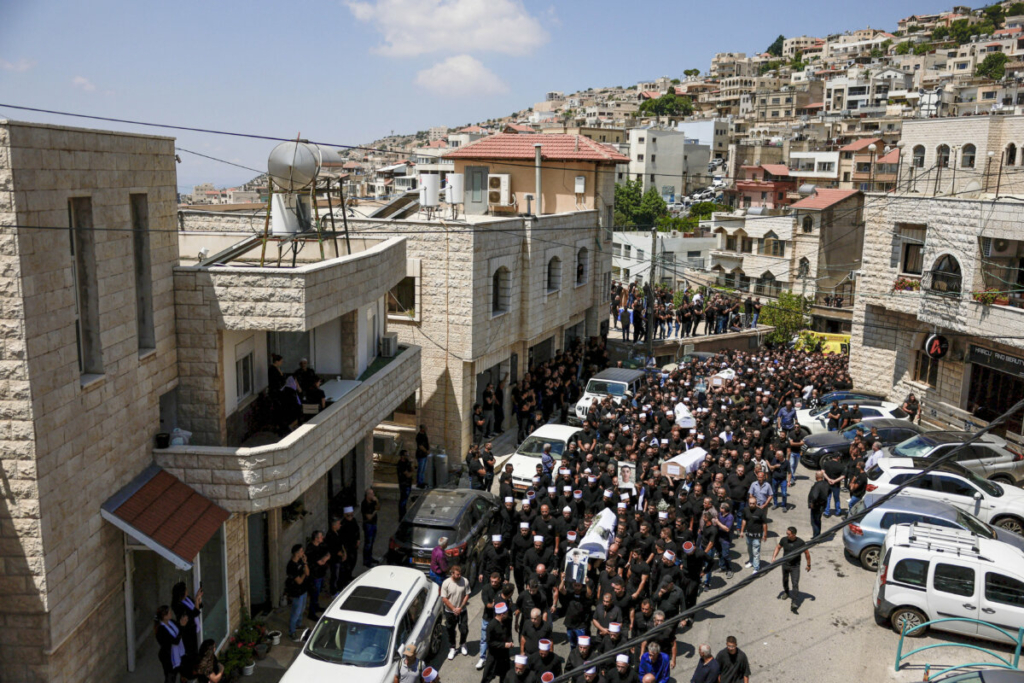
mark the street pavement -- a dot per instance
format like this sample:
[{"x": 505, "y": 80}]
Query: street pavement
[{"x": 832, "y": 637}]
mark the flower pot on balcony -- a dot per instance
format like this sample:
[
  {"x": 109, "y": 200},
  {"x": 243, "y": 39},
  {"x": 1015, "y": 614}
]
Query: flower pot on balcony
[{"x": 249, "y": 669}]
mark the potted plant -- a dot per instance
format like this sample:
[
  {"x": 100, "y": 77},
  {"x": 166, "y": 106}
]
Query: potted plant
[
  {"x": 990, "y": 296},
  {"x": 906, "y": 284},
  {"x": 236, "y": 657}
]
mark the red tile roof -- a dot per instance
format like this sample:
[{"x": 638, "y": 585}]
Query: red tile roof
[
  {"x": 823, "y": 198},
  {"x": 650, "y": 94},
  {"x": 776, "y": 169},
  {"x": 438, "y": 143},
  {"x": 553, "y": 148},
  {"x": 158, "y": 508},
  {"x": 813, "y": 105},
  {"x": 1007, "y": 31},
  {"x": 860, "y": 144},
  {"x": 893, "y": 157},
  {"x": 520, "y": 128},
  {"x": 472, "y": 129}
]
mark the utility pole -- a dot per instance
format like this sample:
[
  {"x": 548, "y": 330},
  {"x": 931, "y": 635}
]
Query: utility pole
[{"x": 650, "y": 295}]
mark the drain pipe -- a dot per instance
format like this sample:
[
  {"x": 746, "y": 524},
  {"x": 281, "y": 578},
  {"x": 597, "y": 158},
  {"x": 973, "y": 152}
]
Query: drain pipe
[{"x": 536, "y": 163}]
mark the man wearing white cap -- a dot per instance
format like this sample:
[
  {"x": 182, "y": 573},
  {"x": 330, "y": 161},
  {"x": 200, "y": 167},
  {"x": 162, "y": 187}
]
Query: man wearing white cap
[
  {"x": 499, "y": 644},
  {"x": 542, "y": 552},
  {"x": 520, "y": 672},
  {"x": 350, "y": 534},
  {"x": 592, "y": 675},
  {"x": 494, "y": 559},
  {"x": 581, "y": 654},
  {"x": 490, "y": 595},
  {"x": 622, "y": 672},
  {"x": 610, "y": 642},
  {"x": 521, "y": 543},
  {"x": 544, "y": 660}
]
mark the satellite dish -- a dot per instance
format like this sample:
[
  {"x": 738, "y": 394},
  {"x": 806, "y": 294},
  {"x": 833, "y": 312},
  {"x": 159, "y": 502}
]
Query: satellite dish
[{"x": 294, "y": 165}]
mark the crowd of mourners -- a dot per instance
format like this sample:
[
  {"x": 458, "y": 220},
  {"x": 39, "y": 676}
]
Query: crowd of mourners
[
  {"x": 689, "y": 312},
  {"x": 671, "y": 536}
]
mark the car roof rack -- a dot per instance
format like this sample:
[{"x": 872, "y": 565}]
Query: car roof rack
[{"x": 944, "y": 540}]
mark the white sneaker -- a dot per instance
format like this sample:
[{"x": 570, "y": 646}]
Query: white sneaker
[
  {"x": 479, "y": 663},
  {"x": 754, "y": 571},
  {"x": 451, "y": 653},
  {"x": 463, "y": 651},
  {"x": 748, "y": 565}
]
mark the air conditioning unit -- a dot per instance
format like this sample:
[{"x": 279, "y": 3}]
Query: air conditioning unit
[
  {"x": 499, "y": 189},
  {"x": 996, "y": 246},
  {"x": 389, "y": 345},
  {"x": 581, "y": 184},
  {"x": 385, "y": 445}
]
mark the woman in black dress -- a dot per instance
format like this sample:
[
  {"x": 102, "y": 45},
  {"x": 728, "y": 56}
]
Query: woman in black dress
[{"x": 168, "y": 637}]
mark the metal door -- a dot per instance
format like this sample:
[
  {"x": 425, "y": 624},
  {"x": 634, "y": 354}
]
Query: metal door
[{"x": 476, "y": 190}]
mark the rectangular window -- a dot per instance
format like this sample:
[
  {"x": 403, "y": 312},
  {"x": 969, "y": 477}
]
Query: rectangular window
[
  {"x": 746, "y": 245},
  {"x": 616, "y": 250},
  {"x": 639, "y": 157},
  {"x": 1003, "y": 589},
  {"x": 402, "y": 298},
  {"x": 653, "y": 157},
  {"x": 143, "y": 272},
  {"x": 640, "y": 254},
  {"x": 912, "y": 251},
  {"x": 926, "y": 370},
  {"x": 954, "y": 579},
  {"x": 730, "y": 243},
  {"x": 244, "y": 376},
  {"x": 913, "y": 572},
  {"x": 83, "y": 271}
]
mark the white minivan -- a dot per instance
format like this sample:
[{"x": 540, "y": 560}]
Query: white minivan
[
  {"x": 930, "y": 572},
  {"x": 526, "y": 458},
  {"x": 618, "y": 383}
]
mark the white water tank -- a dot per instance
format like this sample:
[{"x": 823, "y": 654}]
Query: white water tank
[
  {"x": 430, "y": 195},
  {"x": 293, "y": 166},
  {"x": 456, "y": 190},
  {"x": 290, "y": 213}
]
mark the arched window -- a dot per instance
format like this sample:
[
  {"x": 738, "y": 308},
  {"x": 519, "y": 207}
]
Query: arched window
[
  {"x": 501, "y": 284},
  {"x": 1011, "y": 154},
  {"x": 771, "y": 245},
  {"x": 946, "y": 275},
  {"x": 967, "y": 156},
  {"x": 582, "y": 266},
  {"x": 918, "y": 161},
  {"x": 942, "y": 156},
  {"x": 803, "y": 268},
  {"x": 767, "y": 285},
  {"x": 554, "y": 274},
  {"x": 808, "y": 224}
]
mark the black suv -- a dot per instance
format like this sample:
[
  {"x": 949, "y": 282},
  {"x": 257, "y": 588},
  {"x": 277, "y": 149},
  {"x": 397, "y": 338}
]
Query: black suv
[
  {"x": 464, "y": 516},
  {"x": 890, "y": 431}
]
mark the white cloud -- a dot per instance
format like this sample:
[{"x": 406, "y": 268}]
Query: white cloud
[
  {"x": 20, "y": 66},
  {"x": 460, "y": 76},
  {"x": 415, "y": 27},
  {"x": 83, "y": 83}
]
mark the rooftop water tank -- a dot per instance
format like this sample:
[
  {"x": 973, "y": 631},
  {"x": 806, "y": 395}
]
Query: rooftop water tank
[{"x": 293, "y": 166}]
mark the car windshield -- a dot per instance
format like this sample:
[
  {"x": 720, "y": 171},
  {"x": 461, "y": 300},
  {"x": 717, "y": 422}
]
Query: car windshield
[
  {"x": 820, "y": 411},
  {"x": 851, "y": 433},
  {"x": 974, "y": 525},
  {"x": 346, "y": 642},
  {"x": 534, "y": 446},
  {"x": 606, "y": 388},
  {"x": 422, "y": 536},
  {"x": 914, "y": 447}
]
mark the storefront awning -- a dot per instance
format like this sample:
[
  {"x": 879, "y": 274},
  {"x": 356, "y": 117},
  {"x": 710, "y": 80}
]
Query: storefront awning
[{"x": 166, "y": 515}]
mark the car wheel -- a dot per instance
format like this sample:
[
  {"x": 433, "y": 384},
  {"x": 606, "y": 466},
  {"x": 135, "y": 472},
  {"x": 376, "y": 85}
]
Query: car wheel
[
  {"x": 1011, "y": 524},
  {"x": 869, "y": 557},
  {"x": 908, "y": 618},
  {"x": 436, "y": 636},
  {"x": 1003, "y": 479}
]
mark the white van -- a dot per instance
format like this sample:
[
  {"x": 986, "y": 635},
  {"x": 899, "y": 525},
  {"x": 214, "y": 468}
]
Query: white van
[
  {"x": 526, "y": 458},
  {"x": 619, "y": 383},
  {"x": 930, "y": 572}
]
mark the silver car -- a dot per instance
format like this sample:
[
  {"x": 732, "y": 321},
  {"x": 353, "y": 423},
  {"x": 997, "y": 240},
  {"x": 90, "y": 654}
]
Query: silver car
[
  {"x": 990, "y": 457},
  {"x": 863, "y": 540}
]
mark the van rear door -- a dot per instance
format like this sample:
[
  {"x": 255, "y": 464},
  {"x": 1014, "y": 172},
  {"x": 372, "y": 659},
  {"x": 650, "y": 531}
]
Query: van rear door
[{"x": 1002, "y": 604}]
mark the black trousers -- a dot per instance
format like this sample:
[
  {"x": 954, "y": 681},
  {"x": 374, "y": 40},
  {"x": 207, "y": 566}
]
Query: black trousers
[
  {"x": 791, "y": 573},
  {"x": 496, "y": 666},
  {"x": 520, "y": 576},
  {"x": 451, "y": 621}
]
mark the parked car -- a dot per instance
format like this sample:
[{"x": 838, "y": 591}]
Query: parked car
[
  {"x": 863, "y": 540},
  {"x": 364, "y": 629},
  {"x": 848, "y": 395},
  {"x": 989, "y": 457},
  {"x": 816, "y": 421},
  {"x": 614, "y": 382},
  {"x": 930, "y": 572},
  {"x": 463, "y": 516},
  {"x": 998, "y": 504},
  {"x": 526, "y": 458},
  {"x": 891, "y": 431},
  {"x": 983, "y": 676}
]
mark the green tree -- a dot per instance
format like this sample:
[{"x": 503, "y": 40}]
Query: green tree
[
  {"x": 993, "y": 66},
  {"x": 669, "y": 223},
  {"x": 652, "y": 207},
  {"x": 770, "y": 65},
  {"x": 775, "y": 49},
  {"x": 904, "y": 48},
  {"x": 1015, "y": 10},
  {"x": 787, "y": 314},
  {"x": 676, "y": 81},
  {"x": 692, "y": 72},
  {"x": 627, "y": 202},
  {"x": 668, "y": 104},
  {"x": 922, "y": 48},
  {"x": 703, "y": 210}
]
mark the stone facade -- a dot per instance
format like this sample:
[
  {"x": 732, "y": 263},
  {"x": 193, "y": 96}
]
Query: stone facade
[
  {"x": 889, "y": 328},
  {"x": 72, "y": 440}
]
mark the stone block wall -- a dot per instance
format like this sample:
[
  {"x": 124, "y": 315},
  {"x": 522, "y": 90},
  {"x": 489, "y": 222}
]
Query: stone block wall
[{"x": 91, "y": 439}]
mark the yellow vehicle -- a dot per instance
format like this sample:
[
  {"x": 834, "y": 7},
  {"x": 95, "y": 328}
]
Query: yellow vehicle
[{"x": 830, "y": 343}]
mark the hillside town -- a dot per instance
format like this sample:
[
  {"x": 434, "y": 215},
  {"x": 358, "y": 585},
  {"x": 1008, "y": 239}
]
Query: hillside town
[{"x": 712, "y": 378}]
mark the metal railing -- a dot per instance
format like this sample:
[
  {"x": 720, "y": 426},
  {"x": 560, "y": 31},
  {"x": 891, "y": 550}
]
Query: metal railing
[
  {"x": 843, "y": 300},
  {"x": 944, "y": 283},
  {"x": 1003, "y": 662}
]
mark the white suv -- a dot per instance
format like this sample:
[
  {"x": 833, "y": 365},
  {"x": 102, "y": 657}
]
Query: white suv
[
  {"x": 998, "y": 504},
  {"x": 618, "y": 383},
  {"x": 930, "y": 572},
  {"x": 364, "y": 629},
  {"x": 816, "y": 421}
]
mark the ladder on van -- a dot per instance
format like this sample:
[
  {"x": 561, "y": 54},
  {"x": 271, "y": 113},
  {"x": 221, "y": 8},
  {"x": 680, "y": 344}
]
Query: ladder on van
[{"x": 1002, "y": 663}]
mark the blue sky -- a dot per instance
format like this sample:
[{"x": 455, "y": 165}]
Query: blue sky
[{"x": 349, "y": 72}]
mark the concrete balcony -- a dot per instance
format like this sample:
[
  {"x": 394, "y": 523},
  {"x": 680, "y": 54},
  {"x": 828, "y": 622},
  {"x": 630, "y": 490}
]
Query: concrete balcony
[
  {"x": 237, "y": 294},
  {"x": 264, "y": 477}
]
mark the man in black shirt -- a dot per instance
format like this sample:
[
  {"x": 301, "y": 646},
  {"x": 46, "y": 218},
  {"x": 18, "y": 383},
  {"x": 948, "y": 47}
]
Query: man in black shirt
[
  {"x": 495, "y": 559},
  {"x": 368, "y": 508},
  {"x": 499, "y": 645},
  {"x": 791, "y": 566},
  {"x": 477, "y": 471},
  {"x": 317, "y": 556},
  {"x": 490, "y": 595},
  {"x": 405, "y": 477},
  {"x": 349, "y": 532},
  {"x": 817, "y": 499},
  {"x": 732, "y": 663},
  {"x": 535, "y": 629},
  {"x": 422, "y": 451},
  {"x": 545, "y": 660},
  {"x": 578, "y": 608},
  {"x": 622, "y": 672},
  {"x": 337, "y": 563},
  {"x": 297, "y": 573}
]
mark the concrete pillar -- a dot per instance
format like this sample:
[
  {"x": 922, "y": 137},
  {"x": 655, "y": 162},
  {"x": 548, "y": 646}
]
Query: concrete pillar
[{"x": 364, "y": 465}]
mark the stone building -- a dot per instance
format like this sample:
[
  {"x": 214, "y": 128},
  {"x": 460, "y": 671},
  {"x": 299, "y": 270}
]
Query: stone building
[
  {"x": 924, "y": 258},
  {"x": 111, "y": 341}
]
